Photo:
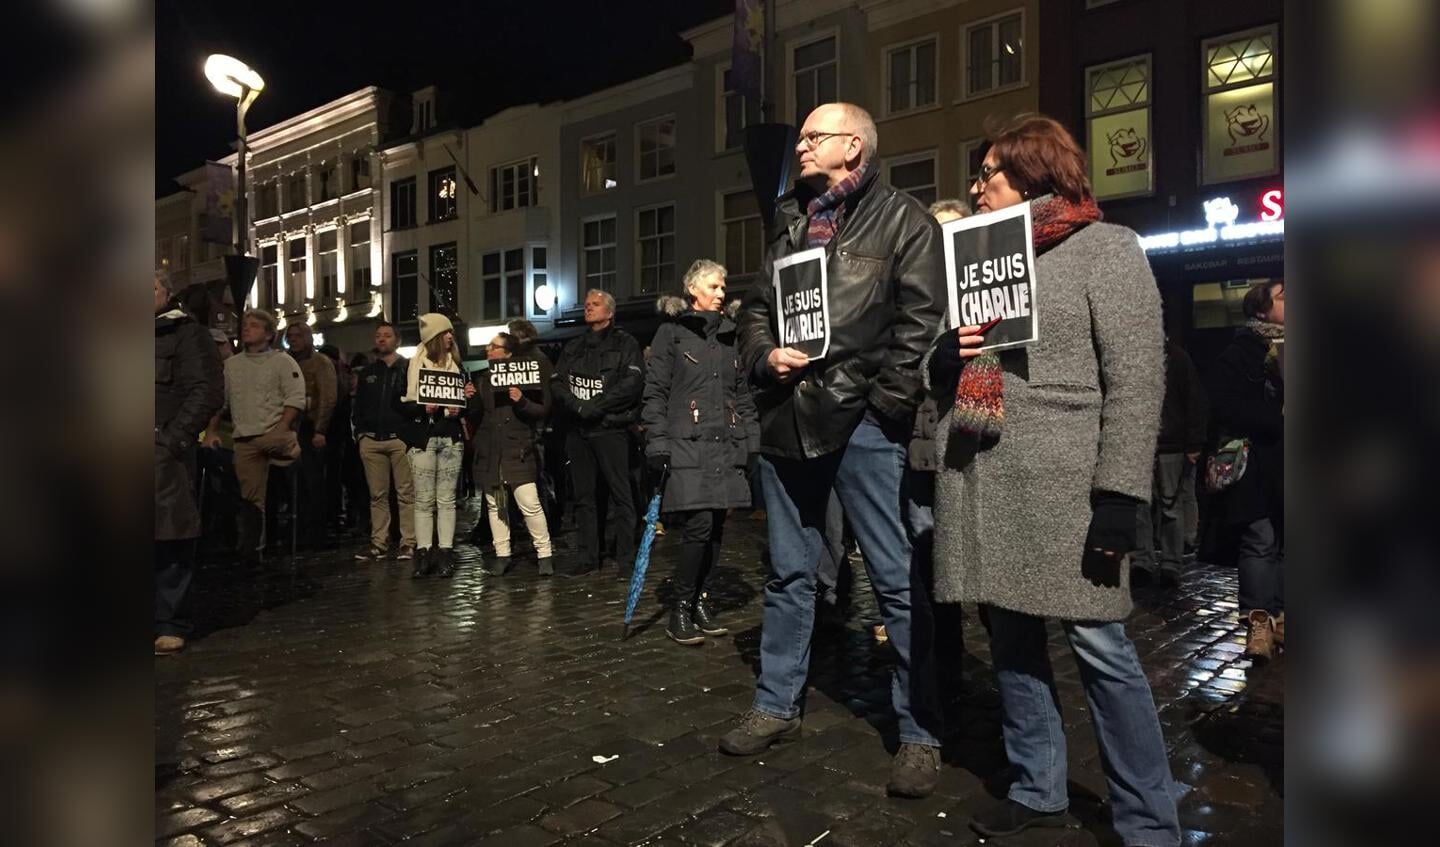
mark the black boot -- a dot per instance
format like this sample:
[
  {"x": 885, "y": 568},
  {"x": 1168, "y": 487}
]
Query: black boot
[
  {"x": 499, "y": 567},
  {"x": 547, "y": 566},
  {"x": 445, "y": 564},
  {"x": 424, "y": 562},
  {"x": 682, "y": 627},
  {"x": 705, "y": 619},
  {"x": 252, "y": 525}
]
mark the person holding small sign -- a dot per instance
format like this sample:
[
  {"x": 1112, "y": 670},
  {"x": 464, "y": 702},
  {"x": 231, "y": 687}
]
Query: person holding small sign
[
  {"x": 832, "y": 348},
  {"x": 433, "y": 400},
  {"x": 701, "y": 432},
  {"x": 508, "y": 402},
  {"x": 597, "y": 385},
  {"x": 1046, "y": 457}
]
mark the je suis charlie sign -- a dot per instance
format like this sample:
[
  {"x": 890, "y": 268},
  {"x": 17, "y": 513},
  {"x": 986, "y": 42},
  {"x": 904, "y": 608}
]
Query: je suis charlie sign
[
  {"x": 802, "y": 302},
  {"x": 440, "y": 388},
  {"x": 990, "y": 270}
]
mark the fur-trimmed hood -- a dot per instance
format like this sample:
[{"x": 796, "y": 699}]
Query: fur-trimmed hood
[{"x": 671, "y": 306}]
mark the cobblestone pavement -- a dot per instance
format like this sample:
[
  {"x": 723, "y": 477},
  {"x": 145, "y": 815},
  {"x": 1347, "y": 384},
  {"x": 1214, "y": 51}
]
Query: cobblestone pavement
[{"x": 345, "y": 702}]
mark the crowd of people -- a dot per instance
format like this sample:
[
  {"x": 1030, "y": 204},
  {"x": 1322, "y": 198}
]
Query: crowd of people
[{"x": 1035, "y": 482}]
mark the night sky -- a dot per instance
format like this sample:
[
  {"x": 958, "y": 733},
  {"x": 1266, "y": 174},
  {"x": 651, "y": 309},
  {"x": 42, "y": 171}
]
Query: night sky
[{"x": 491, "y": 55}]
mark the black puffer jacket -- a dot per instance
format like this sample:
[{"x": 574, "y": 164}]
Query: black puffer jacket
[
  {"x": 377, "y": 399},
  {"x": 189, "y": 388},
  {"x": 505, "y": 441},
  {"x": 611, "y": 360},
  {"x": 1249, "y": 399},
  {"x": 698, "y": 411},
  {"x": 886, "y": 280}
]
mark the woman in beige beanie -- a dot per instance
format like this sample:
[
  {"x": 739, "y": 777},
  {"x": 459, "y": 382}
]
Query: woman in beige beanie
[{"x": 436, "y": 442}]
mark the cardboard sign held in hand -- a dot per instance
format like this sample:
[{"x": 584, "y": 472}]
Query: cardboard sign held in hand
[
  {"x": 802, "y": 302},
  {"x": 440, "y": 388},
  {"x": 990, "y": 272}
]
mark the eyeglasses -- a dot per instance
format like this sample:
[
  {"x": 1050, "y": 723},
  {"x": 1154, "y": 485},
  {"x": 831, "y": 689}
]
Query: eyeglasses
[
  {"x": 815, "y": 138},
  {"x": 987, "y": 172},
  {"x": 494, "y": 346}
]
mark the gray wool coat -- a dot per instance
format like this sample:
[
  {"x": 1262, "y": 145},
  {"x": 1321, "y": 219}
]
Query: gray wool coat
[{"x": 1082, "y": 412}]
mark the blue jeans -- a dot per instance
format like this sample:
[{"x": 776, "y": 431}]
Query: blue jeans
[
  {"x": 866, "y": 474},
  {"x": 1262, "y": 568},
  {"x": 1132, "y": 748}
]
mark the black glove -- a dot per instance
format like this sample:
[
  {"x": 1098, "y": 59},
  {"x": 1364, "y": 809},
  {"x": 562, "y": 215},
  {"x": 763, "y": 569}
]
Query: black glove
[
  {"x": 947, "y": 352},
  {"x": 1112, "y": 522},
  {"x": 658, "y": 463}
]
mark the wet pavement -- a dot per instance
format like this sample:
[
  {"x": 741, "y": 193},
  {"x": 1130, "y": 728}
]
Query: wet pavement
[{"x": 341, "y": 701}]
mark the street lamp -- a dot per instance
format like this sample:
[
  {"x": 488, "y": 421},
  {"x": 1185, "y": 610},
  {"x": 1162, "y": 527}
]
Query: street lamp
[{"x": 234, "y": 78}]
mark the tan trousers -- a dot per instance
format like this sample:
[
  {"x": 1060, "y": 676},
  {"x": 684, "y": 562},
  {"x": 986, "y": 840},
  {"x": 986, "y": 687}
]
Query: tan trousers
[
  {"x": 382, "y": 458},
  {"x": 527, "y": 497},
  {"x": 252, "y": 462}
]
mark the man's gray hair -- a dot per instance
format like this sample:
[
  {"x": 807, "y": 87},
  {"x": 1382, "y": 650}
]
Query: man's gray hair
[
  {"x": 699, "y": 269},
  {"x": 952, "y": 205},
  {"x": 263, "y": 317},
  {"x": 864, "y": 126},
  {"x": 606, "y": 296}
]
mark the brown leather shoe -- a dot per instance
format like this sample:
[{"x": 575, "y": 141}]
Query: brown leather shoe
[
  {"x": 1260, "y": 644},
  {"x": 169, "y": 645}
]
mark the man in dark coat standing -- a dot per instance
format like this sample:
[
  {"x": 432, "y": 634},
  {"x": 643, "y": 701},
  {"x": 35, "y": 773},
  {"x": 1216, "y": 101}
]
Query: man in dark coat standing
[
  {"x": 189, "y": 388},
  {"x": 842, "y": 421},
  {"x": 597, "y": 386}
]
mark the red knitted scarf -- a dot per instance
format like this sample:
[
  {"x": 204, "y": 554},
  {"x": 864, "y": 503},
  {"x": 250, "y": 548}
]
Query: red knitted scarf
[{"x": 980, "y": 394}]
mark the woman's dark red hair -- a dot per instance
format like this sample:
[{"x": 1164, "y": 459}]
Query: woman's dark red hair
[{"x": 1040, "y": 156}]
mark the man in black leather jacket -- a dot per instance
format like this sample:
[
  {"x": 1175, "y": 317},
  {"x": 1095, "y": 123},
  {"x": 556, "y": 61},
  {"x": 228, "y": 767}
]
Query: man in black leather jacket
[
  {"x": 597, "y": 387},
  {"x": 842, "y": 423}
]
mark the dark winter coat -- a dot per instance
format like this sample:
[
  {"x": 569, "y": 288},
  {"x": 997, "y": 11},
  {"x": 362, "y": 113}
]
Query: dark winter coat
[
  {"x": 698, "y": 411},
  {"x": 1249, "y": 400},
  {"x": 886, "y": 289},
  {"x": 505, "y": 431},
  {"x": 189, "y": 389},
  {"x": 377, "y": 399},
  {"x": 1183, "y": 414},
  {"x": 611, "y": 356}
]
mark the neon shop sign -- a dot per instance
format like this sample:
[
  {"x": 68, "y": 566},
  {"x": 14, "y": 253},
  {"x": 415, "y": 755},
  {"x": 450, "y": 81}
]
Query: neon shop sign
[{"x": 1222, "y": 223}]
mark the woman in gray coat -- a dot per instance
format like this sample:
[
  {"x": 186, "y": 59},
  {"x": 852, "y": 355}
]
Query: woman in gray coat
[
  {"x": 701, "y": 428},
  {"x": 1047, "y": 459}
]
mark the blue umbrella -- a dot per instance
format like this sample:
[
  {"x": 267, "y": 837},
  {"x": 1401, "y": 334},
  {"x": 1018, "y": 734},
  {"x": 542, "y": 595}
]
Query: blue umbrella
[{"x": 642, "y": 556}]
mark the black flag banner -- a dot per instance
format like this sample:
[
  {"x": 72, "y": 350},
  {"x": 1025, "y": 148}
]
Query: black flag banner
[
  {"x": 802, "y": 302},
  {"x": 990, "y": 270}
]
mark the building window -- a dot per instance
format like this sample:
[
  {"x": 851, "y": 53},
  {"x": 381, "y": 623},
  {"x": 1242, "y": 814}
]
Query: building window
[
  {"x": 444, "y": 278},
  {"x": 538, "y": 277},
  {"x": 597, "y": 164},
  {"x": 402, "y": 203},
  {"x": 995, "y": 55},
  {"x": 914, "y": 175},
  {"x": 972, "y": 155},
  {"x": 656, "y": 141},
  {"x": 359, "y": 264},
  {"x": 299, "y": 281},
  {"x": 515, "y": 186},
  {"x": 656, "y": 249},
  {"x": 1242, "y": 115},
  {"x": 1117, "y": 126},
  {"x": 597, "y": 266},
  {"x": 325, "y": 251},
  {"x": 162, "y": 253},
  {"x": 329, "y": 180},
  {"x": 267, "y": 201},
  {"x": 405, "y": 275},
  {"x": 816, "y": 77},
  {"x": 295, "y": 192},
  {"x": 273, "y": 291},
  {"x": 911, "y": 80},
  {"x": 502, "y": 275},
  {"x": 442, "y": 195},
  {"x": 182, "y": 252},
  {"x": 359, "y": 172},
  {"x": 741, "y": 233},
  {"x": 733, "y": 114}
]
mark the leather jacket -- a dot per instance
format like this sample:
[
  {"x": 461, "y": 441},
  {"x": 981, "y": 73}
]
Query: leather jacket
[
  {"x": 886, "y": 289},
  {"x": 611, "y": 360}
]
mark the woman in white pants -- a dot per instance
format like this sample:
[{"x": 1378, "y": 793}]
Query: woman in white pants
[
  {"x": 508, "y": 404},
  {"x": 436, "y": 447}
]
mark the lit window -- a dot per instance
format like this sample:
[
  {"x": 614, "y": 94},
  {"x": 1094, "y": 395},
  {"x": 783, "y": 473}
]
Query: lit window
[
  {"x": 444, "y": 278},
  {"x": 325, "y": 250},
  {"x": 1118, "y": 117},
  {"x": 597, "y": 164},
  {"x": 1242, "y": 115},
  {"x": 443, "y": 201}
]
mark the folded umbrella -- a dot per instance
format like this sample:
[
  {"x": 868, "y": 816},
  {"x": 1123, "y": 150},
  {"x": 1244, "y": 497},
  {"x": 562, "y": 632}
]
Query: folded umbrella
[{"x": 642, "y": 557}]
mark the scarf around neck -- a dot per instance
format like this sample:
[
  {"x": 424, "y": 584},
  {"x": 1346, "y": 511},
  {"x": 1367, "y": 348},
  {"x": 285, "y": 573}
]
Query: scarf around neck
[
  {"x": 826, "y": 210},
  {"x": 980, "y": 393}
]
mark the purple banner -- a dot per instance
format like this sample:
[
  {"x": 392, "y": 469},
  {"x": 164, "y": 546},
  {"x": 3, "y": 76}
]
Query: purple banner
[{"x": 749, "y": 34}]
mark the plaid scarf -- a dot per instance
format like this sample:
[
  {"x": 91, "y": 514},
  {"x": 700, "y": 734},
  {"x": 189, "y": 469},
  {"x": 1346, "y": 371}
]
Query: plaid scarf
[
  {"x": 980, "y": 394},
  {"x": 826, "y": 210}
]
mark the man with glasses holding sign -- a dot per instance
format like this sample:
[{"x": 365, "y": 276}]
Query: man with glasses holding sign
[{"x": 833, "y": 349}]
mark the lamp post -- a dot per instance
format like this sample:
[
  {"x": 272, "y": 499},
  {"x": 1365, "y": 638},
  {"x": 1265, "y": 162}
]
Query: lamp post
[{"x": 234, "y": 78}]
